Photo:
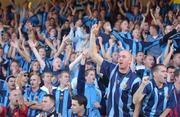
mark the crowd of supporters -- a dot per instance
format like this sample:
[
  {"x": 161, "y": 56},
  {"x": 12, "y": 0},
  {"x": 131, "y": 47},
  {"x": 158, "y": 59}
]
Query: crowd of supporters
[{"x": 90, "y": 58}]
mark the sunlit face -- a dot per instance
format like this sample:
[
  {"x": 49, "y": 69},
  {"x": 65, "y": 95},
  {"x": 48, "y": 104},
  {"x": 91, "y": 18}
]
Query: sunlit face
[
  {"x": 35, "y": 81},
  {"x": 124, "y": 59},
  {"x": 161, "y": 74},
  {"x": 64, "y": 79},
  {"x": 125, "y": 26},
  {"x": 36, "y": 66},
  {"x": 14, "y": 95},
  {"x": 136, "y": 34},
  {"x": 90, "y": 78}
]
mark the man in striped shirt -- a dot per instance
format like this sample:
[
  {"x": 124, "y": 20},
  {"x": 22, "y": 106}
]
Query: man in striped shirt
[
  {"x": 156, "y": 95},
  {"x": 33, "y": 96},
  {"x": 123, "y": 82}
]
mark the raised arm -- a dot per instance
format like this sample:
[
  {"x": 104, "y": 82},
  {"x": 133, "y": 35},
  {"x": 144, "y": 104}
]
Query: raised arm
[
  {"x": 22, "y": 53},
  {"x": 168, "y": 57},
  {"x": 68, "y": 54},
  {"x": 138, "y": 96},
  {"x": 81, "y": 77},
  {"x": 89, "y": 10},
  {"x": 147, "y": 9},
  {"x": 38, "y": 57},
  {"x": 93, "y": 49},
  {"x": 120, "y": 9},
  {"x": 102, "y": 46},
  {"x": 125, "y": 5},
  {"x": 111, "y": 44},
  {"x": 63, "y": 44}
]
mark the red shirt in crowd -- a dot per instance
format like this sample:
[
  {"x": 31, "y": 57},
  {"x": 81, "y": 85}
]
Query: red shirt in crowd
[{"x": 14, "y": 113}]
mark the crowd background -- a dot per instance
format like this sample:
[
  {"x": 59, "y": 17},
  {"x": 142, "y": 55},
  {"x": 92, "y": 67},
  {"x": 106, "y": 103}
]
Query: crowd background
[{"x": 46, "y": 51}]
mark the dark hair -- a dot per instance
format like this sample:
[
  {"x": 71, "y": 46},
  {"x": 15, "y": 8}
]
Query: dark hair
[
  {"x": 50, "y": 96},
  {"x": 177, "y": 73},
  {"x": 88, "y": 70},
  {"x": 9, "y": 77},
  {"x": 171, "y": 67},
  {"x": 82, "y": 100},
  {"x": 155, "y": 27}
]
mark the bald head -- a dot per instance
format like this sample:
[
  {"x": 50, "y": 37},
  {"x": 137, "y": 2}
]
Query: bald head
[{"x": 124, "y": 60}]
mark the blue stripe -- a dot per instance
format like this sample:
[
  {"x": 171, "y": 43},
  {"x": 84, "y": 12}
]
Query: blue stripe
[
  {"x": 57, "y": 94},
  {"x": 65, "y": 103},
  {"x": 134, "y": 48},
  {"x": 153, "y": 110}
]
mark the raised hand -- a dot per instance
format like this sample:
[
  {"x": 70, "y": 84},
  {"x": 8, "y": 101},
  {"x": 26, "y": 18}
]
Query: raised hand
[
  {"x": 111, "y": 42},
  {"x": 119, "y": 4},
  {"x": 95, "y": 29},
  {"x": 145, "y": 80}
]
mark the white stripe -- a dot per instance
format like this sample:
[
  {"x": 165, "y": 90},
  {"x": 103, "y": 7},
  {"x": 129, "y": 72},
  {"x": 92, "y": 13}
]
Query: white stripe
[
  {"x": 111, "y": 113},
  {"x": 165, "y": 97},
  {"x": 120, "y": 106}
]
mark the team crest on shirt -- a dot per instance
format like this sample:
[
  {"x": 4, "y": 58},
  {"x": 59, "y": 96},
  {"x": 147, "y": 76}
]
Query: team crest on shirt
[{"x": 123, "y": 85}]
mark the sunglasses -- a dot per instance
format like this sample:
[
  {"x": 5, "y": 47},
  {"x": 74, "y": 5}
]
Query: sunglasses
[{"x": 25, "y": 75}]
